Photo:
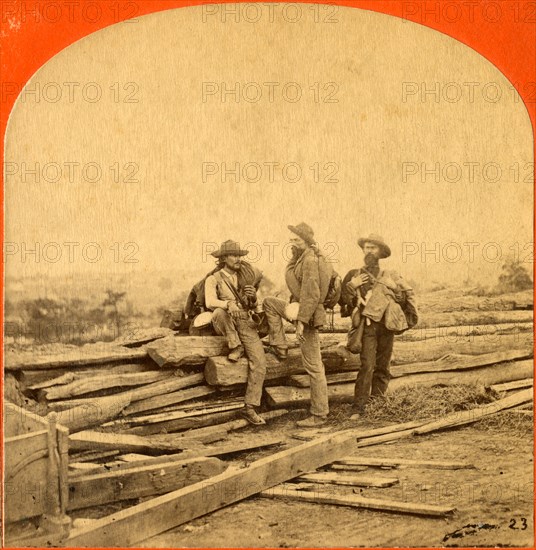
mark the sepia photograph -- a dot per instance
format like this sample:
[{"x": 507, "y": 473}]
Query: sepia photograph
[{"x": 268, "y": 273}]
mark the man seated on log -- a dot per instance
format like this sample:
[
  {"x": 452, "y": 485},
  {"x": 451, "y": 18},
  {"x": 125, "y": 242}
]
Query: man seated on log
[
  {"x": 308, "y": 276},
  {"x": 231, "y": 294},
  {"x": 381, "y": 305}
]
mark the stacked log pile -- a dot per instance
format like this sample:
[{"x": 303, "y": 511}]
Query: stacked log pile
[{"x": 153, "y": 414}]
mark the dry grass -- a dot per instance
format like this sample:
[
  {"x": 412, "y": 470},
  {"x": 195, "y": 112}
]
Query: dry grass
[{"x": 415, "y": 403}]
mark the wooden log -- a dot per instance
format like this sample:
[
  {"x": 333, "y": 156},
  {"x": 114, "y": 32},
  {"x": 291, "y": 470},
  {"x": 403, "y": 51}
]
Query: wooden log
[
  {"x": 232, "y": 425},
  {"x": 396, "y": 462},
  {"x": 162, "y": 387},
  {"x": 83, "y": 417},
  {"x": 167, "y": 399},
  {"x": 88, "y": 456},
  {"x": 95, "y": 383},
  {"x": 454, "y": 361},
  {"x": 237, "y": 445},
  {"x": 439, "y": 345},
  {"x": 37, "y": 379},
  {"x": 285, "y": 396},
  {"x": 127, "y": 527},
  {"x": 90, "y": 354},
  {"x": 146, "y": 420},
  {"x": 177, "y": 351},
  {"x": 136, "y": 337},
  {"x": 124, "y": 443},
  {"x": 304, "y": 381},
  {"x": 318, "y": 497},
  {"x": 222, "y": 448},
  {"x": 432, "y": 319},
  {"x": 184, "y": 423},
  {"x": 448, "y": 362},
  {"x": 352, "y": 480},
  {"x": 515, "y": 385},
  {"x": 135, "y": 482},
  {"x": 458, "y": 331},
  {"x": 219, "y": 371}
]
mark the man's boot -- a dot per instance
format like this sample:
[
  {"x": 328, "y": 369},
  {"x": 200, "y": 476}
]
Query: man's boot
[
  {"x": 280, "y": 352},
  {"x": 236, "y": 354},
  {"x": 312, "y": 421},
  {"x": 250, "y": 414}
]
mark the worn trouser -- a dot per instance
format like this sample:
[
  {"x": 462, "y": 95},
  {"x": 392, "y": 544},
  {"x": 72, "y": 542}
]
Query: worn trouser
[
  {"x": 310, "y": 350},
  {"x": 373, "y": 376},
  {"x": 241, "y": 331}
]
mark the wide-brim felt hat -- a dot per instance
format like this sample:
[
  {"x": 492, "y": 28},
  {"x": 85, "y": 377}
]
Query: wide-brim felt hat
[
  {"x": 373, "y": 238},
  {"x": 304, "y": 231},
  {"x": 229, "y": 248}
]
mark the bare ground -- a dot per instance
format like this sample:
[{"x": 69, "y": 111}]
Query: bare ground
[{"x": 494, "y": 502}]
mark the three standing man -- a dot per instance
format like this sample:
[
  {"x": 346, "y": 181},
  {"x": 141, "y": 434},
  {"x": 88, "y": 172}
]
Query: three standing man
[{"x": 380, "y": 302}]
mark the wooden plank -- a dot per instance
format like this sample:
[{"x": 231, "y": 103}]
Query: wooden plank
[
  {"x": 515, "y": 385},
  {"x": 96, "y": 383},
  {"x": 127, "y": 527},
  {"x": 26, "y": 468},
  {"x": 285, "y": 396},
  {"x": 464, "y": 417},
  {"x": 396, "y": 462},
  {"x": 177, "y": 351},
  {"x": 318, "y": 497},
  {"x": 219, "y": 371},
  {"x": 19, "y": 421},
  {"x": 168, "y": 399},
  {"x": 352, "y": 480},
  {"x": 90, "y": 354},
  {"x": 185, "y": 423},
  {"x": 135, "y": 482},
  {"x": 101, "y": 410}
]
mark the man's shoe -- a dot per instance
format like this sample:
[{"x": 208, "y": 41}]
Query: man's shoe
[
  {"x": 280, "y": 352},
  {"x": 313, "y": 421},
  {"x": 250, "y": 414},
  {"x": 236, "y": 354}
]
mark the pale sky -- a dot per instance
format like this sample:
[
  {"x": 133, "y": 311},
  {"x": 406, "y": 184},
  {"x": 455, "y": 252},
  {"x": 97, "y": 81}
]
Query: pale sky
[{"x": 362, "y": 159}]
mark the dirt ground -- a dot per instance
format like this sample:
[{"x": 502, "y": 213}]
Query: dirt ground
[{"x": 493, "y": 501}]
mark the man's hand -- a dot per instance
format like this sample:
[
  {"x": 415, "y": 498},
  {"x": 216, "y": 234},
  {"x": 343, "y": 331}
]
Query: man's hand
[
  {"x": 250, "y": 291},
  {"x": 233, "y": 309},
  {"x": 299, "y": 332},
  {"x": 359, "y": 280}
]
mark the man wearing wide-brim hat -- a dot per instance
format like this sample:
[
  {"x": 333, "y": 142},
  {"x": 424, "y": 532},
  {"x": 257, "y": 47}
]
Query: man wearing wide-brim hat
[
  {"x": 381, "y": 305},
  {"x": 307, "y": 276},
  {"x": 231, "y": 294}
]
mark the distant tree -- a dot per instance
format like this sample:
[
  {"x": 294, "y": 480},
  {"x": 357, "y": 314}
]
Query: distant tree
[
  {"x": 112, "y": 301},
  {"x": 514, "y": 277}
]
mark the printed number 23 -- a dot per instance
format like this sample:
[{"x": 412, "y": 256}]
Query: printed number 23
[{"x": 513, "y": 522}]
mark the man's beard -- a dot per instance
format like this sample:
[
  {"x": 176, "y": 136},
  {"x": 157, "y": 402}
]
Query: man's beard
[
  {"x": 296, "y": 253},
  {"x": 371, "y": 260}
]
